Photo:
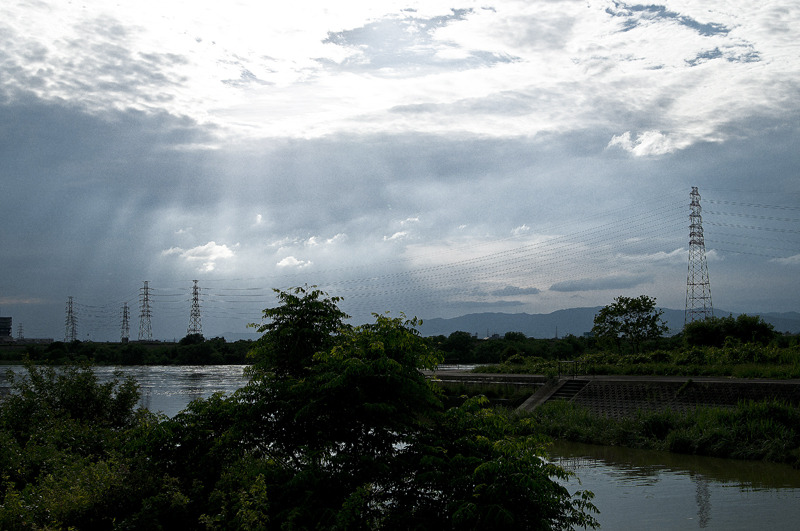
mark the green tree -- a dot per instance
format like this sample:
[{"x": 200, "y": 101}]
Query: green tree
[
  {"x": 630, "y": 320},
  {"x": 305, "y": 322},
  {"x": 355, "y": 437}
]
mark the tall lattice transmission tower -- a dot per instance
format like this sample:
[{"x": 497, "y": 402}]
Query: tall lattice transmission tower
[
  {"x": 145, "y": 328},
  {"x": 126, "y": 326},
  {"x": 698, "y": 288},
  {"x": 70, "y": 323},
  {"x": 194, "y": 315}
]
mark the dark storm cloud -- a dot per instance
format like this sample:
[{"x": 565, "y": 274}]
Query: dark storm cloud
[
  {"x": 511, "y": 291},
  {"x": 76, "y": 182}
]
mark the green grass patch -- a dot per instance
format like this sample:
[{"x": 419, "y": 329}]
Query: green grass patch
[{"x": 763, "y": 430}]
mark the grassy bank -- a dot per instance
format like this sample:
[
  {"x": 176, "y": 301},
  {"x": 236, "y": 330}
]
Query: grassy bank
[
  {"x": 734, "y": 359},
  {"x": 766, "y": 430}
]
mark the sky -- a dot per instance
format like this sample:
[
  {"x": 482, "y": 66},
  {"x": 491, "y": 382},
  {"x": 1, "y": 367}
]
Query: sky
[{"x": 429, "y": 159}]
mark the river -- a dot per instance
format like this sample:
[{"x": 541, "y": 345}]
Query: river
[
  {"x": 169, "y": 388},
  {"x": 634, "y": 489},
  {"x": 639, "y": 489}
]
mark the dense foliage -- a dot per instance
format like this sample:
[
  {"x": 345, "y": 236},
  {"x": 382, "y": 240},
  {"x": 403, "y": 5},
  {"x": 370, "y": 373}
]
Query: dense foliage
[
  {"x": 191, "y": 350},
  {"x": 715, "y": 331},
  {"x": 350, "y": 435},
  {"x": 741, "y": 360},
  {"x": 464, "y": 348}
]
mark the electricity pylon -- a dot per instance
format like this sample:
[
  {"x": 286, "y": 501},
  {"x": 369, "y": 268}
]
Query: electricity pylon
[
  {"x": 698, "y": 288},
  {"x": 194, "y": 315},
  {"x": 70, "y": 324},
  {"x": 126, "y": 327},
  {"x": 145, "y": 328}
]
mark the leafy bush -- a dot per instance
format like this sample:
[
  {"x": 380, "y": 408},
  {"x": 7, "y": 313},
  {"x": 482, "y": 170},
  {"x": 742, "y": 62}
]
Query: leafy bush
[{"x": 714, "y": 331}]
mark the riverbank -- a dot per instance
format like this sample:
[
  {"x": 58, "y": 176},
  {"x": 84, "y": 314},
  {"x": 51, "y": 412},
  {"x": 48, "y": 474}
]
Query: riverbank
[{"x": 749, "y": 419}]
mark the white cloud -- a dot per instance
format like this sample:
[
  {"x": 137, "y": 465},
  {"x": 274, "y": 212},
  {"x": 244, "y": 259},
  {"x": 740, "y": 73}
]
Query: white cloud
[
  {"x": 400, "y": 235},
  {"x": 338, "y": 238},
  {"x": 250, "y": 70},
  {"x": 207, "y": 254},
  {"x": 646, "y": 144},
  {"x": 522, "y": 229},
  {"x": 291, "y": 261}
]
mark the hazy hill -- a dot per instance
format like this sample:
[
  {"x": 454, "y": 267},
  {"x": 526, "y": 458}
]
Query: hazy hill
[{"x": 574, "y": 321}]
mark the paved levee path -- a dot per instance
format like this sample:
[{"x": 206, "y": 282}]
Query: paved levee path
[{"x": 620, "y": 396}]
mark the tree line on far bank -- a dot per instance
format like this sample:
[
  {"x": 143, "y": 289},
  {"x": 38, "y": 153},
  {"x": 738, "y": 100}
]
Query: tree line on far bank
[
  {"x": 630, "y": 326},
  {"x": 193, "y": 349},
  {"x": 613, "y": 338}
]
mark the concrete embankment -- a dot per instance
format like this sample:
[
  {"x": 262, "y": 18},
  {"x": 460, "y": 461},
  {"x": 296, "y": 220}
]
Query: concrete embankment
[{"x": 620, "y": 396}]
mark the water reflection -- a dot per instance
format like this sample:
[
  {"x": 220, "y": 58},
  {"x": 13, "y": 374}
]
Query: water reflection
[
  {"x": 637, "y": 489},
  {"x": 703, "y": 498}
]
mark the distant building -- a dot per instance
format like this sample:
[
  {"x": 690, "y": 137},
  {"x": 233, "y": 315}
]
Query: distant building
[{"x": 5, "y": 329}]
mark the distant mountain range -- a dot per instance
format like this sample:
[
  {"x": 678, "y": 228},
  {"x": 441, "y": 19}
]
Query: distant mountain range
[{"x": 576, "y": 321}]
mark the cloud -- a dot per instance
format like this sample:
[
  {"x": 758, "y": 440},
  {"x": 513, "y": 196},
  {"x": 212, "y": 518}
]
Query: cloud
[
  {"x": 408, "y": 43},
  {"x": 292, "y": 262},
  {"x": 400, "y": 235},
  {"x": 478, "y": 306},
  {"x": 600, "y": 284},
  {"x": 522, "y": 229},
  {"x": 789, "y": 260},
  {"x": 338, "y": 238},
  {"x": 207, "y": 254},
  {"x": 636, "y": 15},
  {"x": 20, "y": 300},
  {"x": 676, "y": 256},
  {"x": 646, "y": 144},
  {"x": 317, "y": 241},
  {"x": 434, "y": 131},
  {"x": 511, "y": 291}
]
